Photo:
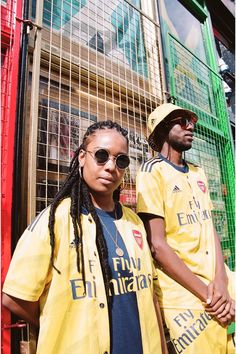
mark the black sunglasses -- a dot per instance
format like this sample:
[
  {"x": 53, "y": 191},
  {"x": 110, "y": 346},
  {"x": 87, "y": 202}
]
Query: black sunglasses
[
  {"x": 183, "y": 121},
  {"x": 101, "y": 157}
]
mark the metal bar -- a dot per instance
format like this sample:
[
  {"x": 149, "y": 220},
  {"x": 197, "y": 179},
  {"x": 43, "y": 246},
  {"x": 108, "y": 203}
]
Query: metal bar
[
  {"x": 142, "y": 13},
  {"x": 29, "y": 23},
  {"x": 34, "y": 114},
  {"x": 14, "y": 325},
  {"x": 18, "y": 148}
]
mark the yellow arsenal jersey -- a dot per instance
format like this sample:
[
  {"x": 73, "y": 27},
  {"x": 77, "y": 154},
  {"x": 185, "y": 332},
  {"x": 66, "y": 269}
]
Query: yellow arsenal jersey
[
  {"x": 73, "y": 321},
  {"x": 182, "y": 199}
]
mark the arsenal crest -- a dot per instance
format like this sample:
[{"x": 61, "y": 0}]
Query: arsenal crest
[
  {"x": 202, "y": 186},
  {"x": 138, "y": 238}
]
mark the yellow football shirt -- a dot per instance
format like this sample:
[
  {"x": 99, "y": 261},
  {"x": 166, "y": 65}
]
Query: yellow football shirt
[
  {"x": 182, "y": 199},
  {"x": 72, "y": 321}
]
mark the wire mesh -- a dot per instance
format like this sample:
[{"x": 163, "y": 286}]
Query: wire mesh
[
  {"x": 102, "y": 60},
  {"x": 99, "y": 61},
  {"x": 198, "y": 87}
]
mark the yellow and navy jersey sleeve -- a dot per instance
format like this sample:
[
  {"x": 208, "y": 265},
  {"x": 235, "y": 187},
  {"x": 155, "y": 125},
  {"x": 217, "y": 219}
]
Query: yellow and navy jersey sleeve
[
  {"x": 28, "y": 271},
  {"x": 150, "y": 189}
]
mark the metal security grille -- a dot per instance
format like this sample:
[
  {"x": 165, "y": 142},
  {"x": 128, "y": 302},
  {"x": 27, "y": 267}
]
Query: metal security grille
[
  {"x": 196, "y": 86},
  {"x": 93, "y": 60}
]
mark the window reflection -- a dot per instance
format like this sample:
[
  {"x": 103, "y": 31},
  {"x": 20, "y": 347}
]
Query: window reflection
[
  {"x": 226, "y": 62},
  {"x": 183, "y": 25}
]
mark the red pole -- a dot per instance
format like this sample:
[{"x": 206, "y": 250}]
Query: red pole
[{"x": 10, "y": 43}]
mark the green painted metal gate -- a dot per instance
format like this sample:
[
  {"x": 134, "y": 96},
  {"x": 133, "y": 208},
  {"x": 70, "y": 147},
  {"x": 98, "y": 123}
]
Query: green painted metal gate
[{"x": 194, "y": 85}]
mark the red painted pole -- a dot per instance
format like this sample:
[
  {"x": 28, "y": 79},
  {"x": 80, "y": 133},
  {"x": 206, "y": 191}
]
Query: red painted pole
[{"x": 10, "y": 43}]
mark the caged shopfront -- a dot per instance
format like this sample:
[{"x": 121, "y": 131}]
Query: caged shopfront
[
  {"x": 92, "y": 60},
  {"x": 119, "y": 60}
]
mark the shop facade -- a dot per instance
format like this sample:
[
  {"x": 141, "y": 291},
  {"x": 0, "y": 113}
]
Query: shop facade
[
  {"x": 92, "y": 60},
  {"x": 119, "y": 61}
]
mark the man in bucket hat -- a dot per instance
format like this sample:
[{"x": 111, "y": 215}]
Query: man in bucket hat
[{"x": 173, "y": 200}]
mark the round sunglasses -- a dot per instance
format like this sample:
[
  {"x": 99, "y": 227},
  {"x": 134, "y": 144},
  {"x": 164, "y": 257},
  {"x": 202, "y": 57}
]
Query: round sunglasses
[
  {"x": 101, "y": 157},
  {"x": 183, "y": 121}
]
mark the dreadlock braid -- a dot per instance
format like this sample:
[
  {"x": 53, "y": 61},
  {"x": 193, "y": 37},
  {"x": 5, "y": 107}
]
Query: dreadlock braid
[
  {"x": 77, "y": 190},
  {"x": 62, "y": 194},
  {"x": 100, "y": 241}
]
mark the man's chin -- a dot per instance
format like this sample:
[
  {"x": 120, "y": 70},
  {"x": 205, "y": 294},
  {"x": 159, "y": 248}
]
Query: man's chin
[
  {"x": 187, "y": 147},
  {"x": 183, "y": 148}
]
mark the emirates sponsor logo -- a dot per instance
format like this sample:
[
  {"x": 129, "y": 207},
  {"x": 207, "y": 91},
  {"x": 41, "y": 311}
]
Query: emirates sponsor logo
[
  {"x": 138, "y": 238},
  {"x": 202, "y": 186}
]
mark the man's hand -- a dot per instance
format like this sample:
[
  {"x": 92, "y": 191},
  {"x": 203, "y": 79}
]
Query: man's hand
[
  {"x": 219, "y": 304},
  {"x": 228, "y": 314}
]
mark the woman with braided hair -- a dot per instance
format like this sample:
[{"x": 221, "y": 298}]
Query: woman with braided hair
[{"x": 82, "y": 271}]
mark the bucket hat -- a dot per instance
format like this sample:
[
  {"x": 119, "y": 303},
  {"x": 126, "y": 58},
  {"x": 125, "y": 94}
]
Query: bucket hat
[{"x": 158, "y": 115}]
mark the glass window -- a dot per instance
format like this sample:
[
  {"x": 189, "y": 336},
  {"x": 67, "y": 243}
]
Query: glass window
[
  {"x": 226, "y": 62},
  {"x": 113, "y": 28},
  {"x": 183, "y": 25}
]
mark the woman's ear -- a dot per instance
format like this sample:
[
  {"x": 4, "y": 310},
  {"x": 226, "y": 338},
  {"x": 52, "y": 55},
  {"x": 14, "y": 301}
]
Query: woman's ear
[{"x": 81, "y": 158}]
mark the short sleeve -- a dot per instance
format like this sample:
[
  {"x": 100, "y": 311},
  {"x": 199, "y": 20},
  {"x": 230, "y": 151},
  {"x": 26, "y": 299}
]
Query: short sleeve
[
  {"x": 150, "y": 193},
  {"x": 29, "y": 267}
]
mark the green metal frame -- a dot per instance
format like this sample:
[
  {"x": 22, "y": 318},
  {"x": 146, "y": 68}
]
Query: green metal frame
[{"x": 198, "y": 86}]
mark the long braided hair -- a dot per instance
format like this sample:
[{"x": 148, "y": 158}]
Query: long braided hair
[{"x": 76, "y": 188}]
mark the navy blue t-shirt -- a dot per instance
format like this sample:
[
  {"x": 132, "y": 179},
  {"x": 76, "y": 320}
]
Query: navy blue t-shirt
[{"x": 124, "y": 318}]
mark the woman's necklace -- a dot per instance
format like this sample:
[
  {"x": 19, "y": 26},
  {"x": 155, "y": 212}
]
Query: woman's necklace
[{"x": 119, "y": 251}]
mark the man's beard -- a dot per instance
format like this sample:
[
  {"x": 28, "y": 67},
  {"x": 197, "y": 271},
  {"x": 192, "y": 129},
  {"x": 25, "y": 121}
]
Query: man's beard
[{"x": 180, "y": 147}]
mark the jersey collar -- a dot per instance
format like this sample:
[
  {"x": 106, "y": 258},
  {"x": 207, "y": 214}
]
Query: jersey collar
[{"x": 183, "y": 169}]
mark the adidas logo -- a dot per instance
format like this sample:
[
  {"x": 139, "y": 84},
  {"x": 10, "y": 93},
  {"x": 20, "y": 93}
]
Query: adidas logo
[
  {"x": 72, "y": 244},
  {"x": 176, "y": 189}
]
